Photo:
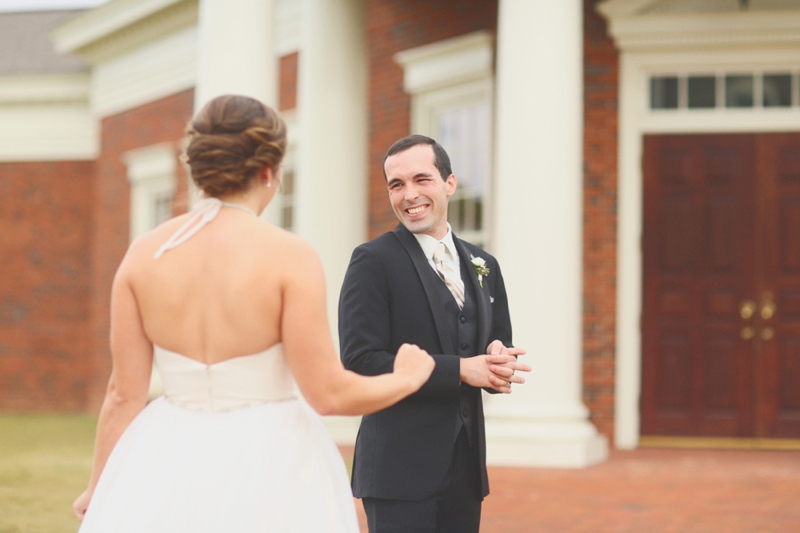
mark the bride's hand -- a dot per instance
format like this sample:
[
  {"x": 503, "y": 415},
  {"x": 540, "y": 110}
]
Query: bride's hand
[
  {"x": 415, "y": 363},
  {"x": 80, "y": 505}
]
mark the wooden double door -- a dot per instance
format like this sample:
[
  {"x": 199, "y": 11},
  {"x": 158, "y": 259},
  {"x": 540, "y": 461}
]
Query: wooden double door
[{"x": 721, "y": 294}]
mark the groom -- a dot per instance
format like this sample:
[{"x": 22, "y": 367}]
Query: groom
[{"x": 420, "y": 465}]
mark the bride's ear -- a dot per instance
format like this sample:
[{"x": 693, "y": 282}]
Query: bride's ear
[{"x": 266, "y": 175}]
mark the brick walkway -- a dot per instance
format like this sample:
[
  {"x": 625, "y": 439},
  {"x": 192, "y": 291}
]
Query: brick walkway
[{"x": 649, "y": 491}]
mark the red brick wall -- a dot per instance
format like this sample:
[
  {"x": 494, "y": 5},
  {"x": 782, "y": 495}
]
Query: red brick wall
[
  {"x": 287, "y": 81},
  {"x": 392, "y": 26},
  {"x": 44, "y": 250},
  {"x": 601, "y": 76},
  {"x": 161, "y": 121}
]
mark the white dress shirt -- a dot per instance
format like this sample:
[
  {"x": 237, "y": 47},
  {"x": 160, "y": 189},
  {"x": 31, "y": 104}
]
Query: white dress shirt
[{"x": 428, "y": 245}]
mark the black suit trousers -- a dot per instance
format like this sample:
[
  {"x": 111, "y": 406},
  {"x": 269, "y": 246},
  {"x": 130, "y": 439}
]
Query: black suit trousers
[{"x": 455, "y": 508}]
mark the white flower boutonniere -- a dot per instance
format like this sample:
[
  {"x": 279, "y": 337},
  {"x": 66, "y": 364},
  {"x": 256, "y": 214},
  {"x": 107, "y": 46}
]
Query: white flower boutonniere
[{"x": 479, "y": 263}]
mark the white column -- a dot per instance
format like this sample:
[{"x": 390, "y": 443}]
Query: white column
[
  {"x": 331, "y": 164},
  {"x": 235, "y": 47},
  {"x": 537, "y": 235},
  {"x": 235, "y": 42}
]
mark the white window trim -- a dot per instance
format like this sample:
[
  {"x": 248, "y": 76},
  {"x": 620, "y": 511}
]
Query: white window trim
[{"x": 151, "y": 174}]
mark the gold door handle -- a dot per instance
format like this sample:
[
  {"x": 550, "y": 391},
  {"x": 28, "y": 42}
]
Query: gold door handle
[
  {"x": 767, "y": 333},
  {"x": 747, "y": 333},
  {"x": 768, "y": 308},
  {"x": 747, "y": 308}
]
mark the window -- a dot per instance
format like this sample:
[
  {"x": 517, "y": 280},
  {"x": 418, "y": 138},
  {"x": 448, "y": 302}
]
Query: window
[
  {"x": 777, "y": 90},
  {"x": 450, "y": 83},
  {"x": 664, "y": 92},
  {"x": 465, "y": 133},
  {"x": 702, "y": 92},
  {"x": 287, "y": 200},
  {"x": 739, "y": 91},
  {"x": 725, "y": 91}
]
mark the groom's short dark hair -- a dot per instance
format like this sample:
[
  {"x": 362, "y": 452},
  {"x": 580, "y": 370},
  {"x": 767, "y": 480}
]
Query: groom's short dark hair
[{"x": 440, "y": 158}]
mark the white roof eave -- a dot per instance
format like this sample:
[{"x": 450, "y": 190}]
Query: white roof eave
[{"x": 104, "y": 21}]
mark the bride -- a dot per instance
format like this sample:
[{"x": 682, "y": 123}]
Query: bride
[{"x": 229, "y": 447}]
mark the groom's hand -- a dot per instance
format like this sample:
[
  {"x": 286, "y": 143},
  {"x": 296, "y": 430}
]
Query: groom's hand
[
  {"x": 503, "y": 368},
  {"x": 493, "y": 371}
]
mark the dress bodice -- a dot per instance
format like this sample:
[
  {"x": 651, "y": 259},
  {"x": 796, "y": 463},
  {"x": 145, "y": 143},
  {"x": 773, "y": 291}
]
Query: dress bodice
[{"x": 229, "y": 384}]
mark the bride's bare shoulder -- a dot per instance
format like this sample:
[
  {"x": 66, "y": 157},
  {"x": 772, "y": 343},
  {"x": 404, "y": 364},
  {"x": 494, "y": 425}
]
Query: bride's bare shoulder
[
  {"x": 290, "y": 249},
  {"x": 148, "y": 243}
]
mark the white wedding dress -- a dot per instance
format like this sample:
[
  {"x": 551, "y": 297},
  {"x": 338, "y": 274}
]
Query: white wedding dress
[{"x": 229, "y": 448}]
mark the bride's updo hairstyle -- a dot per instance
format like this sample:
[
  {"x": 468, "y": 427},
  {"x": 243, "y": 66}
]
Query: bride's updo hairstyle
[{"x": 230, "y": 140}]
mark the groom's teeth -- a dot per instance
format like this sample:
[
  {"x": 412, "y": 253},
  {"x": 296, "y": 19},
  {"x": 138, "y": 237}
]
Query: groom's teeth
[{"x": 415, "y": 210}]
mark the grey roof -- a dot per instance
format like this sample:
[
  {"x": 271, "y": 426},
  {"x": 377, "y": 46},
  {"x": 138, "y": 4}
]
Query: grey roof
[{"x": 25, "y": 45}]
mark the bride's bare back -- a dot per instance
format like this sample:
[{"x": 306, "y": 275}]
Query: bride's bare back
[{"x": 219, "y": 294}]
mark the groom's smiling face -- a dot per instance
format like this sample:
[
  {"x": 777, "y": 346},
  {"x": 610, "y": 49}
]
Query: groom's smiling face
[{"x": 417, "y": 192}]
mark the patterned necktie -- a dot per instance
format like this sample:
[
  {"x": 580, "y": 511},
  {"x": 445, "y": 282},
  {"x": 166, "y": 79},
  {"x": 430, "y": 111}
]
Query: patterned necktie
[{"x": 447, "y": 274}]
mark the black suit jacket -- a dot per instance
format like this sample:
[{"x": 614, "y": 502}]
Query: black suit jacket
[{"x": 388, "y": 298}]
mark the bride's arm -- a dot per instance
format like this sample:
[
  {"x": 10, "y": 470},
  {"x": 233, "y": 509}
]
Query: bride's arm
[
  {"x": 324, "y": 382},
  {"x": 126, "y": 396}
]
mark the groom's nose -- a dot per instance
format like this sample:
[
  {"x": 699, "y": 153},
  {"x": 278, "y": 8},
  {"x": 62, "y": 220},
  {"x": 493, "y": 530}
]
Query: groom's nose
[{"x": 411, "y": 192}]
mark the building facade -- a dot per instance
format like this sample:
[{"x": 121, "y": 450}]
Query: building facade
[{"x": 633, "y": 164}]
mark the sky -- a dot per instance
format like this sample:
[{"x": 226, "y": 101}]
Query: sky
[{"x": 42, "y": 5}]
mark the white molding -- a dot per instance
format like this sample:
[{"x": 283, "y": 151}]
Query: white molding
[
  {"x": 151, "y": 173},
  {"x": 623, "y": 8},
  {"x": 425, "y": 106},
  {"x": 288, "y": 26},
  {"x": 46, "y": 117},
  {"x": 44, "y": 88},
  {"x": 154, "y": 161},
  {"x": 666, "y": 52},
  {"x": 448, "y": 62},
  {"x": 162, "y": 67},
  {"x": 122, "y": 24},
  {"x": 722, "y": 30}
]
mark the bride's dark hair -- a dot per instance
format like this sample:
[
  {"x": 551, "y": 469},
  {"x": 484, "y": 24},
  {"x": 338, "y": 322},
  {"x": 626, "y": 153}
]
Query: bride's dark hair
[{"x": 230, "y": 140}]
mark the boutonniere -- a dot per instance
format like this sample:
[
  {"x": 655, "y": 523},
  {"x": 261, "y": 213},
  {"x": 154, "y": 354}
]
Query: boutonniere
[{"x": 479, "y": 263}]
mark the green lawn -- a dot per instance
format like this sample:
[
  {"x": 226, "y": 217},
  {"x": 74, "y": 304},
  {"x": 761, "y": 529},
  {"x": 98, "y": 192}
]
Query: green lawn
[{"x": 44, "y": 465}]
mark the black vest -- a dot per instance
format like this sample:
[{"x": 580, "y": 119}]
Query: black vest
[{"x": 463, "y": 326}]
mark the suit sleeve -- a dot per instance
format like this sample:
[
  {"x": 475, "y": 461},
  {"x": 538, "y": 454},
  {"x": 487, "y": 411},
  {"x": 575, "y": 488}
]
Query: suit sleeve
[
  {"x": 365, "y": 328},
  {"x": 501, "y": 319}
]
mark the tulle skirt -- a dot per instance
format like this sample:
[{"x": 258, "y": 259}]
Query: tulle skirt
[{"x": 265, "y": 468}]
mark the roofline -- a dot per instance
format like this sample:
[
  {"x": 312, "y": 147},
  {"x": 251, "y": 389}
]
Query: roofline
[{"x": 77, "y": 34}]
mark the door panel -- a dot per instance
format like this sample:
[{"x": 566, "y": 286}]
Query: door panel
[
  {"x": 778, "y": 348},
  {"x": 698, "y": 267}
]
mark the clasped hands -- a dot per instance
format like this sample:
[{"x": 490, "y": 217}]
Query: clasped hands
[{"x": 495, "y": 369}]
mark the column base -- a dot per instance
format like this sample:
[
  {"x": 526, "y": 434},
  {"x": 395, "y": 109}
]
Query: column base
[{"x": 568, "y": 444}]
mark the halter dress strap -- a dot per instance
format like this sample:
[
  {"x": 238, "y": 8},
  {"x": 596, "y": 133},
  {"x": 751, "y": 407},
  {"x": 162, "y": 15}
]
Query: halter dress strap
[{"x": 205, "y": 211}]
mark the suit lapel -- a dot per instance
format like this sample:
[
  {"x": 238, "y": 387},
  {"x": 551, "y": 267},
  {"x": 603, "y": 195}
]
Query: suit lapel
[
  {"x": 429, "y": 279},
  {"x": 481, "y": 295}
]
